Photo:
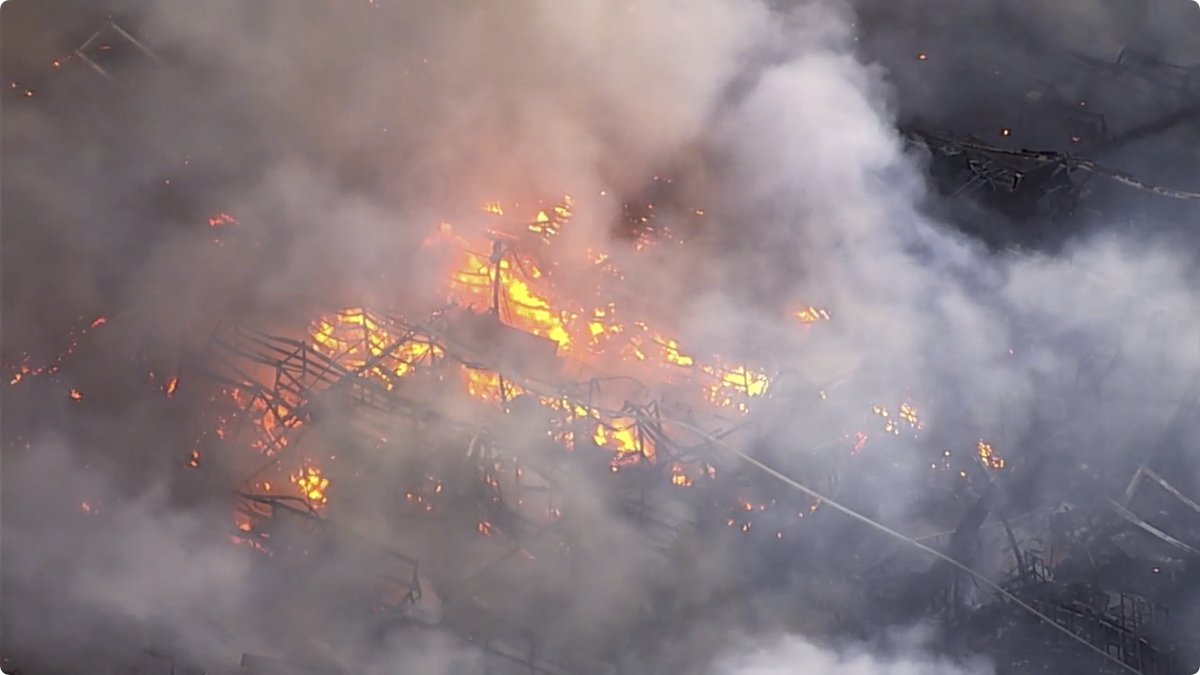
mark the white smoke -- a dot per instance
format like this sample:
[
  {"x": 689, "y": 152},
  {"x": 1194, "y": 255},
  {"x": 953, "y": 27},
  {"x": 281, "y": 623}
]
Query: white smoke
[{"x": 797, "y": 655}]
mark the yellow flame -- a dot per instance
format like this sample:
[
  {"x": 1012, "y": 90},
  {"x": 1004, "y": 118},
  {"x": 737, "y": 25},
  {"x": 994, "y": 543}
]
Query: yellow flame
[
  {"x": 988, "y": 456},
  {"x": 354, "y": 338},
  {"x": 672, "y": 353},
  {"x": 312, "y": 485},
  {"x": 471, "y": 285},
  {"x": 679, "y": 477},
  {"x": 489, "y": 386},
  {"x": 623, "y": 439},
  {"x": 737, "y": 381},
  {"x": 548, "y": 223},
  {"x": 811, "y": 314}
]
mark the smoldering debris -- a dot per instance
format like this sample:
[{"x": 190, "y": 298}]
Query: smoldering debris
[{"x": 600, "y": 338}]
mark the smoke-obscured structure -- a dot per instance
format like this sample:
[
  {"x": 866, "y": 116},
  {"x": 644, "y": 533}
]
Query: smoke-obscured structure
[{"x": 725, "y": 337}]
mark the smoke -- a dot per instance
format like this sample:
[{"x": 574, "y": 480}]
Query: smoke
[
  {"x": 339, "y": 135},
  {"x": 790, "y": 655}
]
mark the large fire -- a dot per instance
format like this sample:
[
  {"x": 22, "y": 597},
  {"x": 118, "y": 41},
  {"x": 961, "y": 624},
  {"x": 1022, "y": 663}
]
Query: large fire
[
  {"x": 500, "y": 284},
  {"x": 506, "y": 279},
  {"x": 511, "y": 284}
]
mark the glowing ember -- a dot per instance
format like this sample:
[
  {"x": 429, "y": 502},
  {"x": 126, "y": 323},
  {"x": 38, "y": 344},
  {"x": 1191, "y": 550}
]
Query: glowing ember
[
  {"x": 194, "y": 462},
  {"x": 76, "y": 395},
  {"x": 988, "y": 456},
  {"x": 678, "y": 477},
  {"x": 171, "y": 386},
  {"x": 221, "y": 220},
  {"x": 860, "y": 441},
  {"x": 633, "y": 350},
  {"x": 312, "y": 485},
  {"x": 74, "y": 336},
  {"x": 811, "y": 315},
  {"x": 906, "y": 414}
]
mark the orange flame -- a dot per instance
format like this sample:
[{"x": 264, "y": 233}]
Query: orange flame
[{"x": 472, "y": 285}]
